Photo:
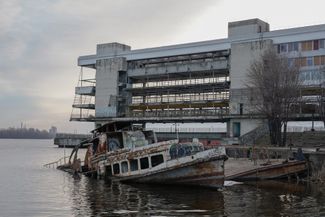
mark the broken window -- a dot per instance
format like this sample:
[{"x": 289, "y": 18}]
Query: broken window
[
  {"x": 108, "y": 170},
  {"x": 156, "y": 160},
  {"x": 134, "y": 164},
  {"x": 116, "y": 169},
  {"x": 125, "y": 167},
  {"x": 144, "y": 163}
]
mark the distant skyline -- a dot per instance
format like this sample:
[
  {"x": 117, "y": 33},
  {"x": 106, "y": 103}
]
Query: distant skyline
[{"x": 40, "y": 41}]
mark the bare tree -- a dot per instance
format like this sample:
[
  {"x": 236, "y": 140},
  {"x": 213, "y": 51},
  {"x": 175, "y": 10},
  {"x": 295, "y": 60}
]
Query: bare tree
[{"x": 274, "y": 80}]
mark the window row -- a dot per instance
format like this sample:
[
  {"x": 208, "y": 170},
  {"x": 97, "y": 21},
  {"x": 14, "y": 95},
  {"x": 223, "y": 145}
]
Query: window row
[
  {"x": 314, "y": 77},
  {"x": 180, "y": 97},
  {"x": 197, "y": 110},
  {"x": 133, "y": 164},
  {"x": 180, "y": 112},
  {"x": 307, "y": 61},
  {"x": 210, "y": 80},
  {"x": 301, "y": 46}
]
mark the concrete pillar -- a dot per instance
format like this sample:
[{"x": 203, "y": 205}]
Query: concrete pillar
[
  {"x": 107, "y": 85},
  {"x": 108, "y": 66}
]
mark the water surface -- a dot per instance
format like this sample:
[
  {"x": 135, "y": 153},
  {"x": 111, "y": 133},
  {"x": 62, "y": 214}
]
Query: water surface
[{"x": 29, "y": 189}]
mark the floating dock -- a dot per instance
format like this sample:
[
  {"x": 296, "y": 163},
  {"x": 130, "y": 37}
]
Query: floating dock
[
  {"x": 244, "y": 169},
  {"x": 70, "y": 140}
]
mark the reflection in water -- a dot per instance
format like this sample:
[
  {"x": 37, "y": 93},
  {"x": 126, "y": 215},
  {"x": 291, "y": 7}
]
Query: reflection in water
[
  {"x": 270, "y": 198},
  {"x": 273, "y": 198},
  {"x": 29, "y": 190},
  {"x": 106, "y": 198}
]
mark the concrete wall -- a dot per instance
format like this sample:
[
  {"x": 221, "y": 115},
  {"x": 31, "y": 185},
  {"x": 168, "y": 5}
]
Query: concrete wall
[
  {"x": 247, "y": 27},
  {"x": 107, "y": 71},
  {"x": 246, "y": 125},
  {"x": 107, "y": 85},
  {"x": 110, "y": 49},
  {"x": 242, "y": 55}
]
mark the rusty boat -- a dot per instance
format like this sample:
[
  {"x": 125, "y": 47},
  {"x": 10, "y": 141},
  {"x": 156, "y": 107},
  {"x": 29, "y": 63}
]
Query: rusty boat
[{"x": 119, "y": 152}]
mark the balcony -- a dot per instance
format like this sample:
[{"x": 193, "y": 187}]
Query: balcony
[
  {"x": 86, "y": 90},
  {"x": 82, "y": 117},
  {"x": 84, "y": 106}
]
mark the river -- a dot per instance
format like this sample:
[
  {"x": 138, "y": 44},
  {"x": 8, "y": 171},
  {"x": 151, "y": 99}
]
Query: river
[{"x": 29, "y": 189}]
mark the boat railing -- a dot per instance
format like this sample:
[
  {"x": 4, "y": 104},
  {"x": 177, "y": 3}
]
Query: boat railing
[{"x": 57, "y": 163}]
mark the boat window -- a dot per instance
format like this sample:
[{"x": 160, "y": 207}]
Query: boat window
[
  {"x": 125, "y": 167},
  {"x": 156, "y": 160},
  {"x": 144, "y": 163},
  {"x": 113, "y": 144},
  {"x": 134, "y": 164},
  {"x": 116, "y": 168},
  {"x": 108, "y": 171}
]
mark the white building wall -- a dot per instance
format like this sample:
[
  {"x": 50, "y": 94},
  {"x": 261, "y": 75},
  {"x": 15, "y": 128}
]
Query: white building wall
[
  {"x": 242, "y": 56},
  {"x": 246, "y": 126},
  {"x": 246, "y": 39}
]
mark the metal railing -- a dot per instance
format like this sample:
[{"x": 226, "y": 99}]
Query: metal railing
[
  {"x": 304, "y": 128},
  {"x": 57, "y": 163},
  {"x": 178, "y": 113},
  {"x": 181, "y": 129}
]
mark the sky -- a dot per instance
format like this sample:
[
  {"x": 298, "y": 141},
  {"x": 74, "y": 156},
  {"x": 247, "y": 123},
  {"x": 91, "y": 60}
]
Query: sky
[{"x": 40, "y": 41}]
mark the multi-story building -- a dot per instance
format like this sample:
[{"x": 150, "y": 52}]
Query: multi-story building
[{"x": 195, "y": 82}]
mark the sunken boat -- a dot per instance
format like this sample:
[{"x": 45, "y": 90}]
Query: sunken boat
[{"x": 119, "y": 152}]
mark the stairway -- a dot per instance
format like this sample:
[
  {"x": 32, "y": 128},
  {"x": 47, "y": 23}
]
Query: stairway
[{"x": 252, "y": 136}]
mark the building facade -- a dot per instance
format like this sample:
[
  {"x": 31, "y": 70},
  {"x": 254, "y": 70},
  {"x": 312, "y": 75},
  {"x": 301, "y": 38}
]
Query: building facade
[{"x": 195, "y": 82}]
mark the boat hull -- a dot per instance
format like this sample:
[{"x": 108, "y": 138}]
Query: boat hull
[{"x": 206, "y": 173}]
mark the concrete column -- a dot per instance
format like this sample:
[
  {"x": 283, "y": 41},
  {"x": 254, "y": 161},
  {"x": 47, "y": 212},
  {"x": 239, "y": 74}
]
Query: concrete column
[
  {"x": 108, "y": 66},
  {"x": 107, "y": 85}
]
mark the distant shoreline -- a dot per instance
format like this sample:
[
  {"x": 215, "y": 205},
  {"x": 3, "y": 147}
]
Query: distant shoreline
[{"x": 27, "y": 133}]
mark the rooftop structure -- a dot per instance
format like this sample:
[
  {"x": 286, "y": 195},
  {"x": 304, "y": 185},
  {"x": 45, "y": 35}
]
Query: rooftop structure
[{"x": 193, "y": 82}]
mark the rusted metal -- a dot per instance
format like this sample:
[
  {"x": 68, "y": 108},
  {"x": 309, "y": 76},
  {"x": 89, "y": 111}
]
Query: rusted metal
[
  {"x": 110, "y": 155},
  {"x": 276, "y": 171},
  {"x": 206, "y": 172}
]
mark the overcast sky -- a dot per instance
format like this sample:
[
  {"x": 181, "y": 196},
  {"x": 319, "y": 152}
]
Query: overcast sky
[{"x": 40, "y": 41}]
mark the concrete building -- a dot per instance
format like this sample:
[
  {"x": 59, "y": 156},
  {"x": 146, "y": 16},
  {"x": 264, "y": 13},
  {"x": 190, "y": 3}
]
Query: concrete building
[{"x": 194, "y": 82}]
